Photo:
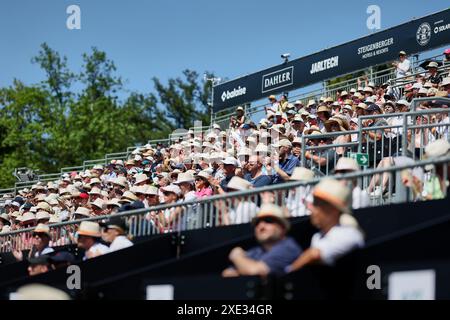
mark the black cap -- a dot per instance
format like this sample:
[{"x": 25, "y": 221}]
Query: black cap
[
  {"x": 62, "y": 256},
  {"x": 27, "y": 206},
  {"x": 132, "y": 206},
  {"x": 373, "y": 107},
  {"x": 115, "y": 222},
  {"x": 19, "y": 200}
]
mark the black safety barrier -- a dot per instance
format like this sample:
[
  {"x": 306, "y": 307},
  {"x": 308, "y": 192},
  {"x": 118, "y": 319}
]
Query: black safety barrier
[{"x": 205, "y": 251}]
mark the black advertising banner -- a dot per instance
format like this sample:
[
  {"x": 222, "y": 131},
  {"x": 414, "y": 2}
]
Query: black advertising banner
[{"x": 415, "y": 36}]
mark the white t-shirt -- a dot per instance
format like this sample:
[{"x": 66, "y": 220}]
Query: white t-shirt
[
  {"x": 98, "y": 249},
  {"x": 46, "y": 250},
  {"x": 360, "y": 198},
  {"x": 337, "y": 242},
  {"x": 243, "y": 213},
  {"x": 297, "y": 199},
  {"x": 120, "y": 242},
  {"x": 403, "y": 68}
]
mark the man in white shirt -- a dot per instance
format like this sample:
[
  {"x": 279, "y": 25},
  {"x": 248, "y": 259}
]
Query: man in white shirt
[
  {"x": 115, "y": 233},
  {"x": 338, "y": 233},
  {"x": 89, "y": 239},
  {"x": 403, "y": 66}
]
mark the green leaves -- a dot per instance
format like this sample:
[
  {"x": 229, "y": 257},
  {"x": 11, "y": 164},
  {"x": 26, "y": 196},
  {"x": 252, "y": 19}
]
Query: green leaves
[{"x": 48, "y": 125}]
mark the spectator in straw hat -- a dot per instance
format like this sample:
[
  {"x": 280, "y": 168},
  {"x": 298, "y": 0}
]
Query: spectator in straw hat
[
  {"x": 152, "y": 196},
  {"x": 360, "y": 198},
  {"x": 112, "y": 206},
  {"x": 172, "y": 194},
  {"x": 40, "y": 243},
  {"x": 94, "y": 194},
  {"x": 88, "y": 239},
  {"x": 338, "y": 233},
  {"x": 433, "y": 76},
  {"x": 286, "y": 161},
  {"x": 141, "y": 179},
  {"x": 81, "y": 213},
  {"x": 202, "y": 184},
  {"x": 403, "y": 66},
  {"x": 297, "y": 126},
  {"x": 274, "y": 252},
  {"x": 28, "y": 220},
  {"x": 273, "y": 107},
  {"x": 98, "y": 207},
  {"x": 323, "y": 114},
  {"x": 229, "y": 169},
  {"x": 115, "y": 233},
  {"x": 42, "y": 217},
  {"x": 239, "y": 119}
]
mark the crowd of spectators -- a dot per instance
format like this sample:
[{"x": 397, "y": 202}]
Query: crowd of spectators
[{"x": 244, "y": 156}]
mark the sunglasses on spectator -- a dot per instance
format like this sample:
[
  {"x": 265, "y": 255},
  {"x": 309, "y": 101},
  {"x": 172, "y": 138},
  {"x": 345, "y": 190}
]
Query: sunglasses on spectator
[
  {"x": 318, "y": 202},
  {"x": 267, "y": 220},
  {"x": 38, "y": 235}
]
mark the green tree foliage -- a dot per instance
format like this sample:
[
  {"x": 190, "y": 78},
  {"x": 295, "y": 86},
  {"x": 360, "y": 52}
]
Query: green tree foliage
[{"x": 49, "y": 125}]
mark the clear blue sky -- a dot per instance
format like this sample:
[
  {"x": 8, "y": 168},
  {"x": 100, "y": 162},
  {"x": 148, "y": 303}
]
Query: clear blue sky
[{"x": 162, "y": 38}]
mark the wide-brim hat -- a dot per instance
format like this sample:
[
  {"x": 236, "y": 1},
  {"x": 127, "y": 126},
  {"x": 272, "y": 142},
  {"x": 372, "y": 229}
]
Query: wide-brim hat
[
  {"x": 302, "y": 174},
  {"x": 89, "y": 229},
  {"x": 272, "y": 211},
  {"x": 205, "y": 175},
  {"x": 28, "y": 216},
  {"x": 121, "y": 181},
  {"x": 142, "y": 177},
  {"x": 42, "y": 228},
  {"x": 347, "y": 164},
  {"x": 237, "y": 183},
  {"x": 184, "y": 177},
  {"x": 323, "y": 109},
  {"x": 82, "y": 211},
  {"x": 333, "y": 192},
  {"x": 330, "y": 122}
]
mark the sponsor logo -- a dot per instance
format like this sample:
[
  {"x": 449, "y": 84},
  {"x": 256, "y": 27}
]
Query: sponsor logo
[
  {"x": 278, "y": 79},
  {"x": 423, "y": 34},
  {"x": 444, "y": 27},
  {"x": 323, "y": 65},
  {"x": 226, "y": 95}
]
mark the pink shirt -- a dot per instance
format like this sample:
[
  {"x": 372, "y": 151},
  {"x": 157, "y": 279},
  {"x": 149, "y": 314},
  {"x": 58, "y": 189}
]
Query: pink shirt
[{"x": 204, "y": 192}]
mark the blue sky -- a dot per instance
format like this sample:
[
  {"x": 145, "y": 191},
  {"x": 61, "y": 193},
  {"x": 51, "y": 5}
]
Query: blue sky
[{"x": 161, "y": 38}]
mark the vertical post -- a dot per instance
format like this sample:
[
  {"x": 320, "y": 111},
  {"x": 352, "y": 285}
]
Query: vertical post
[
  {"x": 359, "y": 134},
  {"x": 405, "y": 135},
  {"x": 303, "y": 160}
]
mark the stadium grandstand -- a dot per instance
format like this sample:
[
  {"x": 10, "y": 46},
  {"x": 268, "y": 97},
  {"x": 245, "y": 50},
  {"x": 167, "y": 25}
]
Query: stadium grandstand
[{"x": 322, "y": 184}]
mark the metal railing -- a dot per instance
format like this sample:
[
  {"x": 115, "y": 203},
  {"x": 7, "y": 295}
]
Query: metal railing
[
  {"x": 240, "y": 207},
  {"x": 323, "y": 158}
]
